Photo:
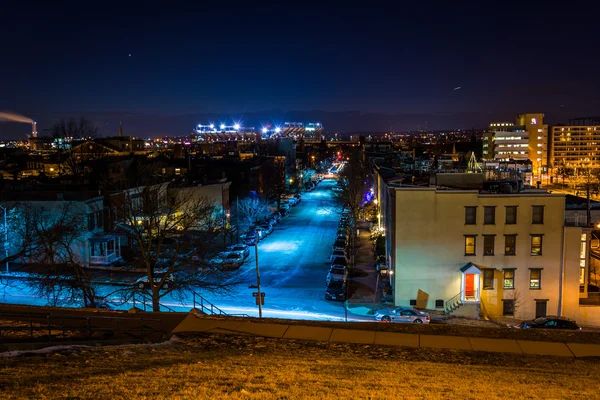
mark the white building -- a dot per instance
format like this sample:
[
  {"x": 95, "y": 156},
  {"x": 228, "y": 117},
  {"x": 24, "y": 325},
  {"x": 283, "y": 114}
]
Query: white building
[{"x": 474, "y": 253}]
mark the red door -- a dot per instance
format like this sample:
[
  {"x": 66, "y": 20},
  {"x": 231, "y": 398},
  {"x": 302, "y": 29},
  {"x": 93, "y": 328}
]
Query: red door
[{"x": 470, "y": 285}]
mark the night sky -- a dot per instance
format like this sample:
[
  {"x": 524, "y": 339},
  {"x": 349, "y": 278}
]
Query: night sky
[{"x": 162, "y": 71}]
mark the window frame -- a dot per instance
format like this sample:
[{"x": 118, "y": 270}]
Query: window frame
[
  {"x": 533, "y": 214},
  {"x": 532, "y": 279},
  {"x": 511, "y": 311},
  {"x": 505, "y": 279},
  {"x": 474, "y": 237},
  {"x": 493, "y": 239},
  {"x": 540, "y": 246},
  {"x": 506, "y": 220},
  {"x": 489, "y": 280},
  {"x": 467, "y": 209},
  {"x": 493, "y": 215},
  {"x": 514, "y": 247}
]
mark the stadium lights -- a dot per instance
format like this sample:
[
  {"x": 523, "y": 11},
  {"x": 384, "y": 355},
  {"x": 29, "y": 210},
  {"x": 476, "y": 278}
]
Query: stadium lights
[
  {"x": 277, "y": 130},
  {"x": 236, "y": 127},
  {"x": 264, "y": 130}
]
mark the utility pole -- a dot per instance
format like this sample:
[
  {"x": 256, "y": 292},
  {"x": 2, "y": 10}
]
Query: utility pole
[
  {"x": 259, "y": 297},
  {"x": 5, "y": 239}
]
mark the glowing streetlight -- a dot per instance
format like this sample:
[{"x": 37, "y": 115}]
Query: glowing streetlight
[{"x": 375, "y": 201}]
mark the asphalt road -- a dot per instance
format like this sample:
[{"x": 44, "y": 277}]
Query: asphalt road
[{"x": 293, "y": 263}]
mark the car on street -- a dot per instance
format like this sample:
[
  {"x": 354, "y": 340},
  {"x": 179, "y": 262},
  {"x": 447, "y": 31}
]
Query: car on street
[
  {"x": 267, "y": 228},
  {"x": 402, "y": 314},
  {"x": 250, "y": 238},
  {"x": 337, "y": 273},
  {"x": 339, "y": 245},
  {"x": 240, "y": 248},
  {"x": 144, "y": 282},
  {"x": 340, "y": 261},
  {"x": 336, "y": 254},
  {"x": 336, "y": 290},
  {"x": 232, "y": 261},
  {"x": 550, "y": 322}
]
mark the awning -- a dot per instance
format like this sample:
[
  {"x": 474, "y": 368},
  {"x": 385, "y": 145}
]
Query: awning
[{"x": 470, "y": 268}]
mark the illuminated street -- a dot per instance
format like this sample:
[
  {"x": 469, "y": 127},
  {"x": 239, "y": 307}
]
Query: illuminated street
[{"x": 293, "y": 261}]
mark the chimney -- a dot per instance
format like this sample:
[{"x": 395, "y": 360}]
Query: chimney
[{"x": 34, "y": 129}]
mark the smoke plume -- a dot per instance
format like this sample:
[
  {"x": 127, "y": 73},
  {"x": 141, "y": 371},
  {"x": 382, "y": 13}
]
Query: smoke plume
[{"x": 7, "y": 116}]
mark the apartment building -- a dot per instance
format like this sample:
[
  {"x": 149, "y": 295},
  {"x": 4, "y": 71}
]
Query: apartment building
[
  {"x": 477, "y": 253},
  {"x": 576, "y": 145}
]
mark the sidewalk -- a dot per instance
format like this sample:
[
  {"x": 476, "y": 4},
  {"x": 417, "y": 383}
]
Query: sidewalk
[{"x": 198, "y": 323}]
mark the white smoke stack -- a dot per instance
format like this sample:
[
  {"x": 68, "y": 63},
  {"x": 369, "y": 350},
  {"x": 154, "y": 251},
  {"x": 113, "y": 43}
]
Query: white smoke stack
[{"x": 34, "y": 129}]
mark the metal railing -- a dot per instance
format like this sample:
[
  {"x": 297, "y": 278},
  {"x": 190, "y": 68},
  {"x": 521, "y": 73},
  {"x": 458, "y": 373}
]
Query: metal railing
[
  {"x": 209, "y": 308},
  {"x": 453, "y": 301},
  {"x": 141, "y": 298},
  {"x": 55, "y": 327}
]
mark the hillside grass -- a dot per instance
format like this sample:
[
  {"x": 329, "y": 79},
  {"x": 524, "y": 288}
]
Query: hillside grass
[{"x": 242, "y": 367}]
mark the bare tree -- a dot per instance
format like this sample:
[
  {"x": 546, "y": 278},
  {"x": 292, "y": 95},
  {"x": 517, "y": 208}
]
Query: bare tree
[
  {"x": 274, "y": 179},
  {"x": 517, "y": 300},
  {"x": 172, "y": 237},
  {"x": 250, "y": 210},
  {"x": 72, "y": 128},
  {"x": 52, "y": 241},
  {"x": 354, "y": 180}
]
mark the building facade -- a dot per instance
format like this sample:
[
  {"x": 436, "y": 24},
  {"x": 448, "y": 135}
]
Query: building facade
[{"x": 576, "y": 146}]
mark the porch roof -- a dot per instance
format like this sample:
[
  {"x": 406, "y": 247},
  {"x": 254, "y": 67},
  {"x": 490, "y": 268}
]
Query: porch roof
[
  {"x": 101, "y": 238},
  {"x": 471, "y": 268}
]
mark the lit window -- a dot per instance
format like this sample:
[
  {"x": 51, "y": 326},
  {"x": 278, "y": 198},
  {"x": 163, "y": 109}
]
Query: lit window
[
  {"x": 470, "y": 245},
  {"x": 535, "y": 279},
  {"x": 509, "y": 279},
  {"x": 536, "y": 245}
]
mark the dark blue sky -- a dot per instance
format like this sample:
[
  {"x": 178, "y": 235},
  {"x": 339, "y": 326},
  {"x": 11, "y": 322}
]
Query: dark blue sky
[{"x": 402, "y": 62}]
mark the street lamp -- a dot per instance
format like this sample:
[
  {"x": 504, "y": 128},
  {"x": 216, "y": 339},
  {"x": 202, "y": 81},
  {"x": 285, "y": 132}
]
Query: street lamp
[{"x": 259, "y": 295}]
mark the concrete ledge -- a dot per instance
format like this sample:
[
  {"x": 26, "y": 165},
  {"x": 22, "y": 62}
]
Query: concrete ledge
[
  {"x": 495, "y": 345},
  {"x": 584, "y": 350},
  {"x": 266, "y": 330},
  {"x": 396, "y": 339},
  {"x": 445, "y": 342},
  {"x": 352, "y": 336},
  {"x": 191, "y": 323},
  {"x": 308, "y": 333},
  {"x": 545, "y": 348}
]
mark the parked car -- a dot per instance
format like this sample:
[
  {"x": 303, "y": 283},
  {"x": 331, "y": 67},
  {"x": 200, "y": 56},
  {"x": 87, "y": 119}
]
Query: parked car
[
  {"x": 250, "y": 239},
  {"x": 336, "y": 290},
  {"x": 144, "y": 282},
  {"x": 402, "y": 314},
  {"x": 298, "y": 197},
  {"x": 276, "y": 216},
  {"x": 336, "y": 254},
  {"x": 340, "y": 261},
  {"x": 339, "y": 245},
  {"x": 551, "y": 322},
  {"x": 267, "y": 228},
  {"x": 240, "y": 248},
  {"x": 337, "y": 273},
  {"x": 234, "y": 260}
]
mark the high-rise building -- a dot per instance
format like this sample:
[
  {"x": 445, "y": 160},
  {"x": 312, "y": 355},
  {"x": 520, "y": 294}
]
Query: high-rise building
[
  {"x": 526, "y": 139},
  {"x": 576, "y": 145}
]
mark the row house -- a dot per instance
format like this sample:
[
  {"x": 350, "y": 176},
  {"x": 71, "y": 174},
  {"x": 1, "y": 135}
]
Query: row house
[{"x": 480, "y": 253}]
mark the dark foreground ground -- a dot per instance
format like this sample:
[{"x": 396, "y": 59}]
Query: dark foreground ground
[{"x": 241, "y": 367}]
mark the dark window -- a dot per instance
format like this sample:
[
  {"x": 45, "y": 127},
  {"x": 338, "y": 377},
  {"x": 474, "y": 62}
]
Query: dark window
[
  {"x": 90, "y": 221},
  {"x": 537, "y": 216},
  {"x": 470, "y": 215},
  {"x": 439, "y": 304},
  {"x": 508, "y": 307},
  {"x": 488, "y": 278},
  {"x": 536, "y": 245},
  {"x": 413, "y": 302},
  {"x": 99, "y": 219},
  {"x": 489, "y": 215},
  {"x": 535, "y": 279},
  {"x": 510, "y": 245},
  {"x": 509, "y": 279},
  {"x": 540, "y": 308},
  {"x": 488, "y": 245},
  {"x": 470, "y": 245},
  {"x": 511, "y": 215}
]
